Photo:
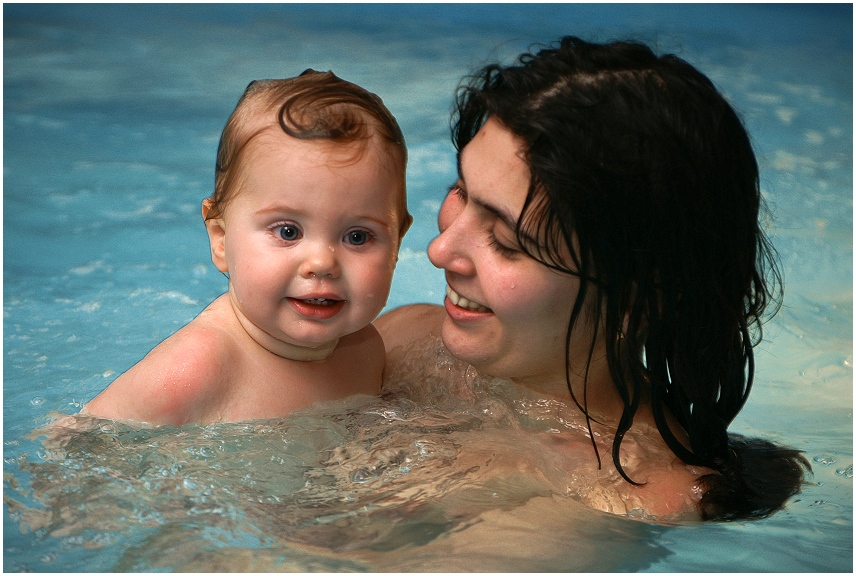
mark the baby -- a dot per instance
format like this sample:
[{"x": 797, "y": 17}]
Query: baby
[{"x": 306, "y": 219}]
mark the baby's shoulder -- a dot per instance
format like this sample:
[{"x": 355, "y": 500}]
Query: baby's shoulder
[
  {"x": 179, "y": 381},
  {"x": 364, "y": 339},
  {"x": 363, "y": 348},
  {"x": 197, "y": 360},
  {"x": 197, "y": 351}
]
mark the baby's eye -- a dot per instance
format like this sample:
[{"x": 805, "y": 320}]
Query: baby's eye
[
  {"x": 357, "y": 237},
  {"x": 289, "y": 232}
]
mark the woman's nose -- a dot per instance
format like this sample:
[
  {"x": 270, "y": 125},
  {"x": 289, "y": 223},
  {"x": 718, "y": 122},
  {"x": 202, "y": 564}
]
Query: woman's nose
[
  {"x": 320, "y": 261},
  {"x": 451, "y": 249}
]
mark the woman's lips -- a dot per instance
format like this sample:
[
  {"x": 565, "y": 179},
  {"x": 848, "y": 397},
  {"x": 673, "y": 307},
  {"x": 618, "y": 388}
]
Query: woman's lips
[
  {"x": 317, "y": 307},
  {"x": 464, "y": 304}
]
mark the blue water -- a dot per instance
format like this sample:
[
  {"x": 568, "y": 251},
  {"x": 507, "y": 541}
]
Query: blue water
[{"x": 111, "y": 119}]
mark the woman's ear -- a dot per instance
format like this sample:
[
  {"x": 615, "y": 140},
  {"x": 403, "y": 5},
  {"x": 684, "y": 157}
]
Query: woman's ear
[{"x": 216, "y": 236}]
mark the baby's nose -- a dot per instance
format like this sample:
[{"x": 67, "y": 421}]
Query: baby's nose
[{"x": 321, "y": 261}]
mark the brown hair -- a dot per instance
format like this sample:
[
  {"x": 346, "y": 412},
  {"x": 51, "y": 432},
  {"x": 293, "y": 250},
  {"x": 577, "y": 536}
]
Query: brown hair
[{"x": 314, "y": 105}]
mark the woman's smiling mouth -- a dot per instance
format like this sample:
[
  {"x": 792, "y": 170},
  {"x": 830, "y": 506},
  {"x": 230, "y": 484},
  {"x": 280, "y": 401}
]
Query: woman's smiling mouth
[{"x": 459, "y": 300}]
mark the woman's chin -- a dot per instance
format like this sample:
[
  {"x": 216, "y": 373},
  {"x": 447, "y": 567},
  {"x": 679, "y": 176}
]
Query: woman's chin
[{"x": 464, "y": 344}]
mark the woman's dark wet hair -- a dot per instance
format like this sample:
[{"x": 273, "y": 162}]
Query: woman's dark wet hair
[{"x": 646, "y": 174}]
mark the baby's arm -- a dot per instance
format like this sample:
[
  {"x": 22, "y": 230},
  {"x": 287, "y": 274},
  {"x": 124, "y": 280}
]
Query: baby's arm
[{"x": 176, "y": 383}]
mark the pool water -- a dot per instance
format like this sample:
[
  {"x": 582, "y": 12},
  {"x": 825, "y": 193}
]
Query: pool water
[{"x": 111, "y": 119}]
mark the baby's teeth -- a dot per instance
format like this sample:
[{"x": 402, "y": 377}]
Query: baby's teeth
[{"x": 319, "y": 301}]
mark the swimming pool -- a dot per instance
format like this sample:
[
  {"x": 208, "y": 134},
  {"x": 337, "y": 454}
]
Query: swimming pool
[{"x": 111, "y": 121}]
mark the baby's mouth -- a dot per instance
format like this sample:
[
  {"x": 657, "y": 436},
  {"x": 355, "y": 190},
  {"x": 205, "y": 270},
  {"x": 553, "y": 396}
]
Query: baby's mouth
[
  {"x": 459, "y": 300},
  {"x": 318, "y": 307}
]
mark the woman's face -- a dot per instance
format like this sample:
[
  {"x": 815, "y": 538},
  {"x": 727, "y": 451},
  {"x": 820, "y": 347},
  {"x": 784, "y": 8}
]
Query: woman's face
[{"x": 507, "y": 313}]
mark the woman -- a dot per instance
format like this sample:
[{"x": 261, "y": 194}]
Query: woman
[{"x": 602, "y": 246}]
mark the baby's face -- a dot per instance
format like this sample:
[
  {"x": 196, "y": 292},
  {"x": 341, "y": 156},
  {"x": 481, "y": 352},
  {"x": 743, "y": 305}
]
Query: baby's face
[{"x": 312, "y": 235}]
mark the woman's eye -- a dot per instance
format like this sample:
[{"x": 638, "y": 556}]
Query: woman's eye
[
  {"x": 458, "y": 191},
  {"x": 289, "y": 232},
  {"x": 357, "y": 237},
  {"x": 501, "y": 248}
]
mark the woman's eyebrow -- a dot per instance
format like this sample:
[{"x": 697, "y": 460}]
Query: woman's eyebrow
[{"x": 499, "y": 213}]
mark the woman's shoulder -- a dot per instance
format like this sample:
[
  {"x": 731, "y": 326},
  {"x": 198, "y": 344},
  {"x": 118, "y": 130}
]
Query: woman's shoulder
[
  {"x": 403, "y": 326},
  {"x": 411, "y": 337}
]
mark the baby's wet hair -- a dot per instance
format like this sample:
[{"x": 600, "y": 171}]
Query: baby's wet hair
[
  {"x": 321, "y": 105},
  {"x": 311, "y": 106}
]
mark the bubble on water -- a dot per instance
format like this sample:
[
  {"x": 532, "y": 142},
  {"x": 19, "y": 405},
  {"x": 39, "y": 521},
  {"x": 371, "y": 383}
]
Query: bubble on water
[
  {"x": 845, "y": 472},
  {"x": 362, "y": 476},
  {"x": 100, "y": 540},
  {"x": 201, "y": 451},
  {"x": 825, "y": 460},
  {"x": 37, "y": 400}
]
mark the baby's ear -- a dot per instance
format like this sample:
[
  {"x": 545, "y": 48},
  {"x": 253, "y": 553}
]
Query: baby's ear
[{"x": 216, "y": 236}]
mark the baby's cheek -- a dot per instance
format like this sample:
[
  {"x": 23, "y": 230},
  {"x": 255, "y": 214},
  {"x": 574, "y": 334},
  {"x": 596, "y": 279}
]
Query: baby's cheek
[{"x": 376, "y": 284}]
